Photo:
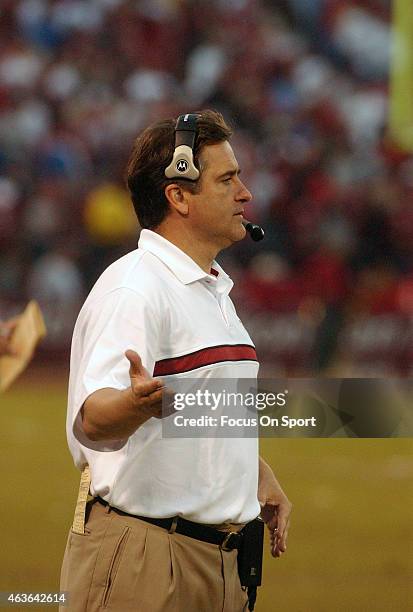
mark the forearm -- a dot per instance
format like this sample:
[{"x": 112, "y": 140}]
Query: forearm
[
  {"x": 111, "y": 414},
  {"x": 263, "y": 469},
  {"x": 265, "y": 473}
]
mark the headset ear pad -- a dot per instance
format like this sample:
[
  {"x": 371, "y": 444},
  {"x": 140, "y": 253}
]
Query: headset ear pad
[{"x": 182, "y": 164}]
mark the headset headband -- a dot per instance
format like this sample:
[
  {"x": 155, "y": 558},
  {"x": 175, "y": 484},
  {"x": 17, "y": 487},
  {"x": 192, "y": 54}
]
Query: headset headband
[{"x": 182, "y": 164}]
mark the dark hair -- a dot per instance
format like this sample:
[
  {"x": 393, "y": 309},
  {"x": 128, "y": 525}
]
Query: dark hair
[{"x": 152, "y": 153}]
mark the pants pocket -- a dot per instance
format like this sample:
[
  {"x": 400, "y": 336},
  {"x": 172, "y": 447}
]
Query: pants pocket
[{"x": 114, "y": 566}]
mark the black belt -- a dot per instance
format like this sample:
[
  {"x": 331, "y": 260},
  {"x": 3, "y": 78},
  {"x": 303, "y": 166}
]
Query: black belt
[{"x": 227, "y": 541}]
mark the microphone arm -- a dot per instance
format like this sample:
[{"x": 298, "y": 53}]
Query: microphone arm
[{"x": 255, "y": 231}]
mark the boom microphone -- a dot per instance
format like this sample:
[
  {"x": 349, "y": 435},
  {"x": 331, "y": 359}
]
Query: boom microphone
[{"x": 255, "y": 231}]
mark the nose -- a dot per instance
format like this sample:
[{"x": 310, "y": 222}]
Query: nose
[{"x": 243, "y": 194}]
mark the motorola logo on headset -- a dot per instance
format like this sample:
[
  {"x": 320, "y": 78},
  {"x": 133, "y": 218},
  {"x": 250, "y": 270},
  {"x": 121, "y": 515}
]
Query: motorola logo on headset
[{"x": 182, "y": 165}]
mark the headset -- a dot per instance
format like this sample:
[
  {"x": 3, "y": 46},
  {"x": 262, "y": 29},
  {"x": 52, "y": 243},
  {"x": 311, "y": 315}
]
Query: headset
[{"x": 182, "y": 165}]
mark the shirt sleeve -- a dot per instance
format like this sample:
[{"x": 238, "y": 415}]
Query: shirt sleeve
[{"x": 121, "y": 320}]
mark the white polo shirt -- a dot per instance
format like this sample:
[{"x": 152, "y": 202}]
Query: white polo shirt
[{"x": 157, "y": 301}]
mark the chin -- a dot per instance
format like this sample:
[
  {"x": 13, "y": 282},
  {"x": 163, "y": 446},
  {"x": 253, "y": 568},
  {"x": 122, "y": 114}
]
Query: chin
[
  {"x": 232, "y": 235},
  {"x": 239, "y": 233}
]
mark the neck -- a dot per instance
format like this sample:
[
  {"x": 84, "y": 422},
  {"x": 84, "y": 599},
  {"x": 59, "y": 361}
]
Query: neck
[{"x": 201, "y": 252}]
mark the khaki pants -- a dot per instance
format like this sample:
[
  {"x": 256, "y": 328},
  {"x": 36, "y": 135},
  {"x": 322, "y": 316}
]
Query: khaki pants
[{"x": 124, "y": 564}]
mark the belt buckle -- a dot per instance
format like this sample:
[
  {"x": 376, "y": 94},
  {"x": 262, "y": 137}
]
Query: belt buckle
[{"x": 227, "y": 539}]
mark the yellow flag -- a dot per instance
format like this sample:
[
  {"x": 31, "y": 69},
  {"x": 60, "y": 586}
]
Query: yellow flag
[{"x": 401, "y": 75}]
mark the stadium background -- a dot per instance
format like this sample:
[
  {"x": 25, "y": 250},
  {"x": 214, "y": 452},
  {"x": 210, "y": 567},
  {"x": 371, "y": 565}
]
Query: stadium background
[{"x": 328, "y": 293}]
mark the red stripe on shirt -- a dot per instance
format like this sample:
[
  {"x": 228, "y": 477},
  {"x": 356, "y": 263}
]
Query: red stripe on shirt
[{"x": 204, "y": 357}]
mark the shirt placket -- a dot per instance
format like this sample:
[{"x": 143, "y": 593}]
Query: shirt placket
[{"x": 220, "y": 293}]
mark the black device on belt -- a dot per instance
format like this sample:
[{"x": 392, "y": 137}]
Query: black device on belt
[
  {"x": 250, "y": 558},
  {"x": 249, "y": 543}
]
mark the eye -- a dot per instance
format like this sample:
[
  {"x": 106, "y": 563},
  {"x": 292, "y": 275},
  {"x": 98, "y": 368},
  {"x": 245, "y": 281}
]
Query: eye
[{"x": 227, "y": 180}]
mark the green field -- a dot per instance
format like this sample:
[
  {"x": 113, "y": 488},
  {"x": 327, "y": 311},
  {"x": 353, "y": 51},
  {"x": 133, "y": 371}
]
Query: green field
[{"x": 351, "y": 539}]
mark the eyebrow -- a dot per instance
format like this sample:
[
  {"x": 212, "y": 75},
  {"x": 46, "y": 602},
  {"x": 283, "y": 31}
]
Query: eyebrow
[{"x": 229, "y": 173}]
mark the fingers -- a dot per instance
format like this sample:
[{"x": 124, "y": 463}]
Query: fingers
[
  {"x": 270, "y": 517},
  {"x": 160, "y": 402},
  {"x": 278, "y": 523},
  {"x": 151, "y": 397},
  {"x": 11, "y": 324},
  {"x": 273, "y": 544},
  {"x": 5, "y": 341},
  {"x": 276, "y": 548},
  {"x": 279, "y": 541},
  {"x": 136, "y": 368},
  {"x": 4, "y": 346},
  {"x": 148, "y": 394},
  {"x": 151, "y": 404},
  {"x": 5, "y": 330},
  {"x": 283, "y": 514},
  {"x": 148, "y": 391},
  {"x": 283, "y": 542}
]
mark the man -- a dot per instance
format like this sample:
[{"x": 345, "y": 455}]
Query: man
[{"x": 164, "y": 310}]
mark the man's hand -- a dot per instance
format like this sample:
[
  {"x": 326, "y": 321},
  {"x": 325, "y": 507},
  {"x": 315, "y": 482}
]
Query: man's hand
[
  {"x": 146, "y": 391},
  {"x": 112, "y": 414},
  {"x": 275, "y": 509},
  {"x": 6, "y": 331}
]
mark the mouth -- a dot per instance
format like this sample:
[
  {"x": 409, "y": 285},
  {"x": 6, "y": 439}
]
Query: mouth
[{"x": 239, "y": 214}]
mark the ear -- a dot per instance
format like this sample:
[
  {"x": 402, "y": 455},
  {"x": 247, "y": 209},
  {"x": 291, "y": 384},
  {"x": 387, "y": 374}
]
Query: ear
[{"x": 177, "y": 198}]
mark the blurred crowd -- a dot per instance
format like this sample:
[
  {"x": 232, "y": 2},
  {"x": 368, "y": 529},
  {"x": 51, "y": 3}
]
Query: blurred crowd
[{"x": 304, "y": 83}]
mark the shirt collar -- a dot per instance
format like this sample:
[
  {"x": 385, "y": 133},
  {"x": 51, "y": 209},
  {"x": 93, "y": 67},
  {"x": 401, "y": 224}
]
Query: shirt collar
[{"x": 184, "y": 267}]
